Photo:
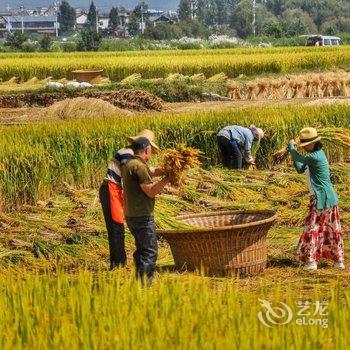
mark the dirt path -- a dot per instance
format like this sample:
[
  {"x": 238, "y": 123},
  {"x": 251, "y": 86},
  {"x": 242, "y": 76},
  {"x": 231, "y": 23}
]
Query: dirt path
[{"x": 17, "y": 116}]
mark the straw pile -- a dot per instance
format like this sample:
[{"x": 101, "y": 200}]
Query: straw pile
[
  {"x": 81, "y": 107},
  {"x": 135, "y": 100},
  {"x": 336, "y": 137},
  {"x": 177, "y": 161},
  {"x": 311, "y": 85}
]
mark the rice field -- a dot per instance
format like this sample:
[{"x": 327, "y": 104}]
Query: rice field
[
  {"x": 54, "y": 261},
  {"x": 77, "y": 152},
  {"x": 103, "y": 311},
  {"x": 155, "y": 64},
  {"x": 56, "y": 291}
]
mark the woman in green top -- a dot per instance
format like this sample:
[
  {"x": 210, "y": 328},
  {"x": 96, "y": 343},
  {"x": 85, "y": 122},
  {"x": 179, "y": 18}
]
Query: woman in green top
[{"x": 322, "y": 236}]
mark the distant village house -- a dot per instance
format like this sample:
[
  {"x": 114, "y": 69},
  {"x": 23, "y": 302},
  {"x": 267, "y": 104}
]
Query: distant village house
[{"x": 28, "y": 24}]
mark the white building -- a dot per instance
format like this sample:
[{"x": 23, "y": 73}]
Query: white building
[
  {"x": 103, "y": 22},
  {"x": 80, "y": 21}
]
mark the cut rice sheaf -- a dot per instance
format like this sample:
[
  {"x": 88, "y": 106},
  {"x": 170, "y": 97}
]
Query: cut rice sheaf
[{"x": 177, "y": 161}]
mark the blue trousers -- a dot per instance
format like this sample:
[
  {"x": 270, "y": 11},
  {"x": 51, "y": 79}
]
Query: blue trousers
[
  {"x": 232, "y": 157},
  {"x": 144, "y": 231}
]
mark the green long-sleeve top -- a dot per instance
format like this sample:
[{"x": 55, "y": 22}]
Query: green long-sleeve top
[{"x": 319, "y": 176}]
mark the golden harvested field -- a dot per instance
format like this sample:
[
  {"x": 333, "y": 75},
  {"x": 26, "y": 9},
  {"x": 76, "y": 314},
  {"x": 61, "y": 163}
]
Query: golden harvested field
[{"x": 56, "y": 290}]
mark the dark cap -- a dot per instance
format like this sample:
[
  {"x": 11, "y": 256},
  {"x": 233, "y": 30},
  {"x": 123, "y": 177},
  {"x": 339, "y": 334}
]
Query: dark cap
[{"x": 140, "y": 144}]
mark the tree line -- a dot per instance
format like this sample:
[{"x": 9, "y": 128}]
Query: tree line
[
  {"x": 201, "y": 18},
  {"x": 275, "y": 18}
]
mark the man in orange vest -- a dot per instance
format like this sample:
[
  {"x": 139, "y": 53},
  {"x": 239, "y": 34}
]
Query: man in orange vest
[{"x": 111, "y": 197}]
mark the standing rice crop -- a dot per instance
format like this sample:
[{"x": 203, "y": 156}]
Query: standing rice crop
[
  {"x": 157, "y": 64},
  {"x": 77, "y": 152},
  {"x": 102, "y": 311}
]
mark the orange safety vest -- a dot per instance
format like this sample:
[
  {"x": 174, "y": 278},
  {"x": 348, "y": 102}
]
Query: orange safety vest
[{"x": 116, "y": 200}]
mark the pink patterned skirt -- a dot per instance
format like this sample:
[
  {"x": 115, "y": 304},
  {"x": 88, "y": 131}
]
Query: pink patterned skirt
[{"x": 322, "y": 237}]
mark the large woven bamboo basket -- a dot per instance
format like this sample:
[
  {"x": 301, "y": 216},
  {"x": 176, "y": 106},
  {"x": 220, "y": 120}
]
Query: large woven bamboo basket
[
  {"x": 224, "y": 244},
  {"x": 92, "y": 76}
]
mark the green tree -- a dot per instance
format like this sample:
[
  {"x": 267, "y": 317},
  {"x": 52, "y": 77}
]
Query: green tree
[
  {"x": 276, "y": 6},
  {"x": 297, "y": 22},
  {"x": 114, "y": 21},
  {"x": 223, "y": 11},
  {"x": 92, "y": 17},
  {"x": 141, "y": 8},
  {"x": 195, "y": 29},
  {"x": 334, "y": 27},
  {"x": 164, "y": 31},
  {"x": 90, "y": 40},
  {"x": 66, "y": 17},
  {"x": 16, "y": 40},
  {"x": 45, "y": 43},
  {"x": 139, "y": 12},
  {"x": 185, "y": 10},
  {"x": 242, "y": 18},
  {"x": 207, "y": 11},
  {"x": 134, "y": 23},
  {"x": 274, "y": 29}
]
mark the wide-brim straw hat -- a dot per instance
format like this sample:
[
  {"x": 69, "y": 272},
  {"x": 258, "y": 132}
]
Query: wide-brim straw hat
[
  {"x": 258, "y": 131},
  {"x": 148, "y": 134},
  {"x": 308, "y": 136}
]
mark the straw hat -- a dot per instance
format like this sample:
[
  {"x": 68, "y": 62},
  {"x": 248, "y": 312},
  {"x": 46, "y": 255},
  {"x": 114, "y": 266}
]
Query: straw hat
[
  {"x": 148, "y": 134},
  {"x": 308, "y": 136},
  {"x": 258, "y": 133}
]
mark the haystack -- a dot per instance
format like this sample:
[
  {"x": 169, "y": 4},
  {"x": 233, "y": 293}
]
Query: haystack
[{"x": 81, "y": 107}]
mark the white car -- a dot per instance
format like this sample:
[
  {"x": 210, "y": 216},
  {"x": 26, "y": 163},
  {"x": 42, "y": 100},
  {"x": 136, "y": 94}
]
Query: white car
[{"x": 323, "y": 40}]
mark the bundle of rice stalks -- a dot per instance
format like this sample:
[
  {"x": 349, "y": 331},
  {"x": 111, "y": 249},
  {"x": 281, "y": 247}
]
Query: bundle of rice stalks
[
  {"x": 46, "y": 80},
  {"x": 104, "y": 81},
  {"x": 336, "y": 137},
  {"x": 276, "y": 89},
  {"x": 132, "y": 79},
  {"x": 177, "y": 161},
  {"x": 81, "y": 107},
  {"x": 198, "y": 77},
  {"x": 263, "y": 89},
  {"x": 234, "y": 90},
  {"x": 63, "y": 81},
  {"x": 218, "y": 78},
  {"x": 174, "y": 77},
  {"x": 252, "y": 91},
  {"x": 13, "y": 80},
  {"x": 32, "y": 81}
]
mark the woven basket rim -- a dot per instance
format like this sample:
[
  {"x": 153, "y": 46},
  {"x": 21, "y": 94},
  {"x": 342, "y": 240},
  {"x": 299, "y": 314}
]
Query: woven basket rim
[{"x": 271, "y": 219}]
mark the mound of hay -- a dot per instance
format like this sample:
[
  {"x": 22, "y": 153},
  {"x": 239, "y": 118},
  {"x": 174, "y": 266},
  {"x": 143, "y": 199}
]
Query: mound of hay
[
  {"x": 134, "y": 100},
  {"x": 81, "y": 107}
]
